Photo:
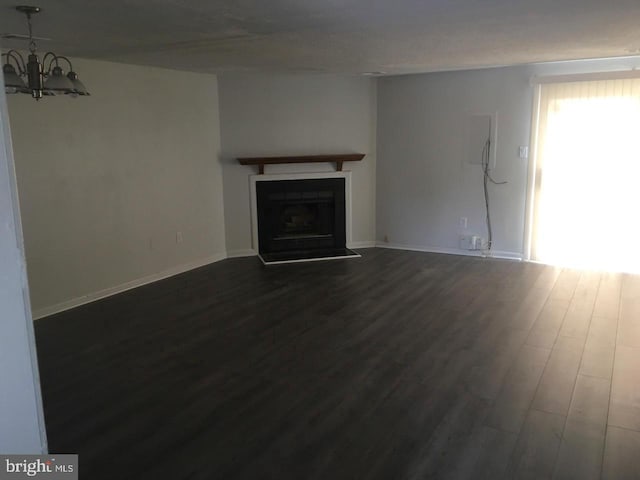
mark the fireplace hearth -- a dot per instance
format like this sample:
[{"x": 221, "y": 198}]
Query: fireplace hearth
[{"x": 301, "y": 219}]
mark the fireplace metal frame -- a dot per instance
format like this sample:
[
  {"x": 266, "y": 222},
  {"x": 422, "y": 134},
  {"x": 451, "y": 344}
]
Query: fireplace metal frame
[{"x": 298, "y": 176}]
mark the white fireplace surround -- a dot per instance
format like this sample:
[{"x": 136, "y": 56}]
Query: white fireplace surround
[{"x": 298, "y": 176}]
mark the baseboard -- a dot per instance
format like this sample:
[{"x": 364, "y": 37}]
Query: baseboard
[
  {"x": 107, "y": 292},
  {"x": 452, "y": 251},
  {"x": 365, "y": 244},
  {"x": 241, "y": 253},
  {"x": 508, "y": 255}
]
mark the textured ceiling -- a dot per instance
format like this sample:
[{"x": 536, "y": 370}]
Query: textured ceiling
[{"x": 345, "y": 36}]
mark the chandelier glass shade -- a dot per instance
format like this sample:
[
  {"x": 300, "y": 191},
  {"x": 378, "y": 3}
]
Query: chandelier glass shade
[{"x": 38, "y": 78}]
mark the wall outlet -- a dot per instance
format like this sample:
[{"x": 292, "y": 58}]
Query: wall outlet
[
  {"x": 178, "y": 237},
  {"x": 463, "y": 222},
  {"x": 478, "y": 242},
  {"x": 472, "y": 242}
]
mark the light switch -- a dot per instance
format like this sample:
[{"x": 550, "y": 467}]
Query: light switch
[{"x": 523, "y": 152}]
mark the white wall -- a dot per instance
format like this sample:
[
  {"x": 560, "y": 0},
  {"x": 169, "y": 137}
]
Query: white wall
[
  {"x": 273, "y": 115},
  {"x": 21, "y": 418},
  {"x": 106, "y": 181},
  {"x": 424, "y": 184}
]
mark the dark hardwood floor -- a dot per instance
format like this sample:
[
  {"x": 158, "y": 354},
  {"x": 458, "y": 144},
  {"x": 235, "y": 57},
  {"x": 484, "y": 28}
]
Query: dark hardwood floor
[{"x": 397, "y": 365}]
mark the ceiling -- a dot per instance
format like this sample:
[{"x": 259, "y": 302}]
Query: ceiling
[{"x": 342, "y": 36}]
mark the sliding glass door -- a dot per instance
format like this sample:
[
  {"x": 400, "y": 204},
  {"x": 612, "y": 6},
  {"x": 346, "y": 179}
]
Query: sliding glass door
[{"x": 587, "y": 184}]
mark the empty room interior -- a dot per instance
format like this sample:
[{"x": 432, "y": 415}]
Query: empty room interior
[{"x": 321, "y": 240}]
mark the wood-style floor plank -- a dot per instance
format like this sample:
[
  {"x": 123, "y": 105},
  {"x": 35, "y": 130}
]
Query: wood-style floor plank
[
  {"x": 537, "y": 448},
  {"x": 583, "y": 438},
  {"x": 400, "y": 365},
  {"x": 624, "y": 411},
  {"x": 621, "y": 455}
]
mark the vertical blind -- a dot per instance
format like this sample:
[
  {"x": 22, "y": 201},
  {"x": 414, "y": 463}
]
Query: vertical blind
[{"x": 587, "y": 176}]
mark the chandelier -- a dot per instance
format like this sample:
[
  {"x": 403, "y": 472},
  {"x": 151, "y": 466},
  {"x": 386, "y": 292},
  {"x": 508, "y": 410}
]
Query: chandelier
[{"x": 42, "y": 78}]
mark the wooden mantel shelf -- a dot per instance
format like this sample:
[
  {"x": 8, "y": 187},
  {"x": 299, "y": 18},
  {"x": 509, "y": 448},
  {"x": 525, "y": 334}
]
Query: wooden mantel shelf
[{"x": 338, "y": 159}]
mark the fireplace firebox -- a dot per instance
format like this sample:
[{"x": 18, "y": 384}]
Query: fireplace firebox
[{"x": 301, "y": 219}]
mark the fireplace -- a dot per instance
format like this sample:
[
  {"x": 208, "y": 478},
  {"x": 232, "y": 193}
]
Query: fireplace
[{"x": 301, "y": 219}]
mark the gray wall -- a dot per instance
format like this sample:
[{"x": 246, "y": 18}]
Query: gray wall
[
  {"x": 21, "y": 419},
  {"x": 424, "y": 184},
  {"x": 264, "y": 115},
  {"x": 106, "y": 181}
]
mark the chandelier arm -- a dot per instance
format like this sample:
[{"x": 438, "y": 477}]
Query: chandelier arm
[
  {"x": 62, "y": 57},
  {"x": 54, "y": 58},
  {"x": 17, "y": 58}
]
